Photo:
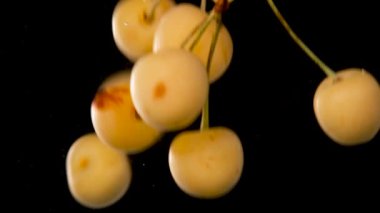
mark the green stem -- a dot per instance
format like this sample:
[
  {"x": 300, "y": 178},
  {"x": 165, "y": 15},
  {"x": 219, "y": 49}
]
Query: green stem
[
  {"x": 202, "y": 30},
  {"x": 195, "y": 37},
  {"x": 327, "y": 70},
  {"x": 213, "y": 42},
  {"x": 203, "y": 5},
  {"x": 205, "y": 117},
  {"x": 198, "y": 32},
  {"x": 205, "y": 111}
]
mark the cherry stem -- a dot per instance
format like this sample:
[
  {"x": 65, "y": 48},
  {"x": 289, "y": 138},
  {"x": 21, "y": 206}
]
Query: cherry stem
[
  {"x": 205, "y": 111},
  {"x": 327, "y": 70},
  {"x": 152, "y": 10},
  {"x": 214, "y": 41},
  {"x": 194, "y": 37},
  {"x": 203, "y": 5},
  {"x": 202, "y": 29},
  {"x": 198, "y": 31}
]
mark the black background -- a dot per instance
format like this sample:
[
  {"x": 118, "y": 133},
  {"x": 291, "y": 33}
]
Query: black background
[{"x": 54, "y": 54}]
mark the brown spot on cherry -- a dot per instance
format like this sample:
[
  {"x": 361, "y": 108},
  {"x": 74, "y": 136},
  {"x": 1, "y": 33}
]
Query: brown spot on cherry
[
  {"x": 211, "y": 136},
  {"x": 83, "y": 163},
  {"x": 159, "y": 90},
  {"x": 337, "y": 79},
  {"x": 105, "y": 97}
]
